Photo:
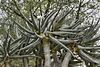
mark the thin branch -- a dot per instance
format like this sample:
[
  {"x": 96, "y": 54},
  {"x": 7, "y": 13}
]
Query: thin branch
[
  {"x": 77, "y": 16},
  {"x": 48, "y": 5}
]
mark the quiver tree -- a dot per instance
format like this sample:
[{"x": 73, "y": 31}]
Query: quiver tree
[
  {"x": 59, "y": 38},
  {"x": 9, "y": 50}
]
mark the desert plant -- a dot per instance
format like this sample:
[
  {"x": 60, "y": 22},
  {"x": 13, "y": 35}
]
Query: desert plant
[
  {"x": 8, "y": 50},
  {"x": 55, "y": 39},
  {"x": 54, "y": 33}
]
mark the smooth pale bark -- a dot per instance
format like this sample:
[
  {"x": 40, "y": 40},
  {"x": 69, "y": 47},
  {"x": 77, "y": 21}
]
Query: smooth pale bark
[
  {"x": 7, "y": 64},
  {"x": 46, "y": 47},
  {"x": 42, "y": 63},
  {"x": 25, "y": 62},
  {"x": 66, "y": 60}
]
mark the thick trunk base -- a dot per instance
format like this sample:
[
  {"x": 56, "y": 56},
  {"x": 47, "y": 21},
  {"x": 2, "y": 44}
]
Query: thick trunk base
[{"x": 46, "y": 46}]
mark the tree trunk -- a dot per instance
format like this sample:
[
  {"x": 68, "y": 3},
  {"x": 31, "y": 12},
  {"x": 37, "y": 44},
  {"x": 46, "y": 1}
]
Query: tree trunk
[
  {"x": 56, "y": 60},
  {"x": 7, "y": 64},
  {"x": 25, "y": 62},
  {"x": 66, "y": 59},
  {"x": 46, "y": 46},
  {"x": 39, "y": 62}
]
